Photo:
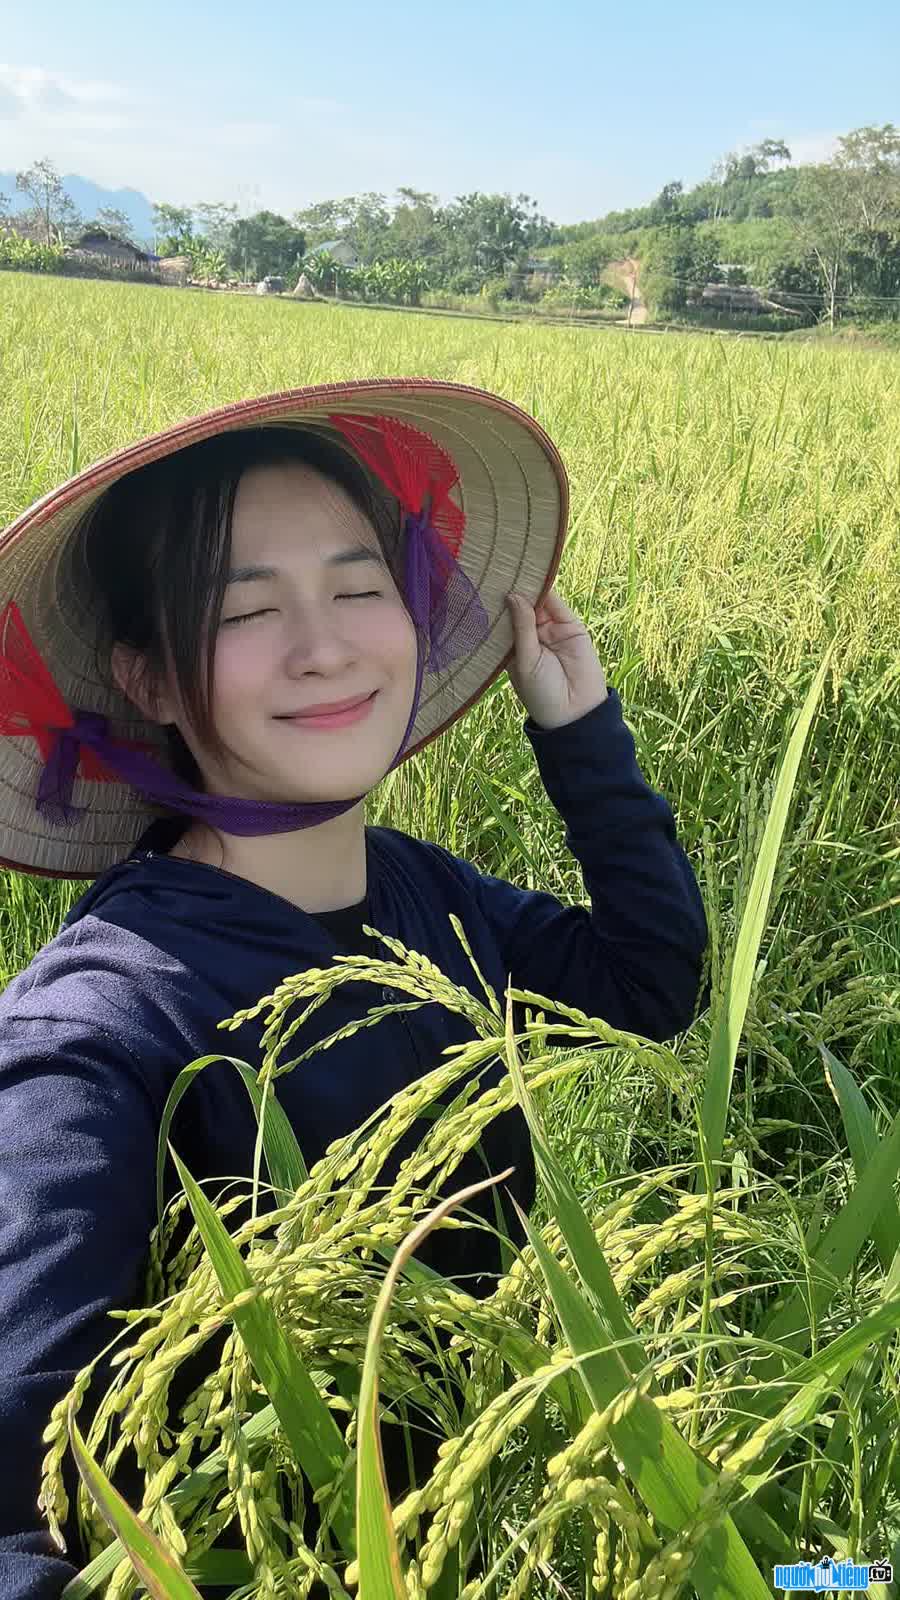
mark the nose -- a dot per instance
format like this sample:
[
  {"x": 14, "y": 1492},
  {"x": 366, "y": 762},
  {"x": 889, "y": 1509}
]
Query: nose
[{"x": 318, "y": 641}]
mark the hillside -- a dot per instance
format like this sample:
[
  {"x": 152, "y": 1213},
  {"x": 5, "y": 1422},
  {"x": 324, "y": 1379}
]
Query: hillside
[{"x": 88, "y": 197}]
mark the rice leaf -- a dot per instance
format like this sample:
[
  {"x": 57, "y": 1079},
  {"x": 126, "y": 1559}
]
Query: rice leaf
[
  {"x": 667, "y": 1472},
  {"x": 731, "y": 1011},
  {"x": 862, "y": 1137},
  {"x": 380, "y": 1575},
  {"x": 501, "y": 815},
  {"x": 837, "y": 1448},
  {"x": 181, "y": 1497},
  {"x": 788, "y": 1324},
  {"x": 309, "y": 1425},
  {"x": 837, "y": 1538},
  {"x": 284, "y": 1158},
  {"x": 669, "y": 1475},
  {"x": 586, "y": 1253},
  {"x": 220, "y": 1568},
  {"x": 158, "y": 1570},
  {"x": 816, "y": 1377}
]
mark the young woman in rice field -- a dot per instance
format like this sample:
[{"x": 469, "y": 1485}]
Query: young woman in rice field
[{"x": 213, "y": 646}]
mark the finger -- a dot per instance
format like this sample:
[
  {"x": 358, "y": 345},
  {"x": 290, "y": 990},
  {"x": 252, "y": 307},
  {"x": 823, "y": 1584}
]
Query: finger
[
  {"x": 520, "y": 609},
  {"x": 553, "y": 608},
  {"x": 528, "y": 647}
]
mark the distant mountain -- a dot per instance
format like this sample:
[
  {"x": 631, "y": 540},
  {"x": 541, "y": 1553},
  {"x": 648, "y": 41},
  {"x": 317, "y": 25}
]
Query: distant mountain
[{"x": 89, "y": 197}]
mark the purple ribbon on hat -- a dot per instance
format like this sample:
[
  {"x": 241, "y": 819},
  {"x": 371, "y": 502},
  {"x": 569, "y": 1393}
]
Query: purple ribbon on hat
[{"x": 450, "y": 621}]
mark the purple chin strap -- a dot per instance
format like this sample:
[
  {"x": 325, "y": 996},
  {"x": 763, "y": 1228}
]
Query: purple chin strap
[{"x": 450, "y": 623}]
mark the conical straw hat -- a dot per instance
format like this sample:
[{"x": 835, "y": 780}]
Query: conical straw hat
[{"x": 512, "y": 490}]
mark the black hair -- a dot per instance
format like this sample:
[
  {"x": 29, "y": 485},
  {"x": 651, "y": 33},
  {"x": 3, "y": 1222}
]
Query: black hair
[{"x": 155, "y": 552}]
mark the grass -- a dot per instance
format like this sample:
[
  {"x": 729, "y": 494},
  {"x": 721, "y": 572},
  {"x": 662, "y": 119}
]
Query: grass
[{"x": 735, "y": 510}]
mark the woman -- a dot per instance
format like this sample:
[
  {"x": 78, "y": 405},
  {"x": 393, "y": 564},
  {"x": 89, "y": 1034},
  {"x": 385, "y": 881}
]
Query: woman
[{"x": 177, "y": 619}]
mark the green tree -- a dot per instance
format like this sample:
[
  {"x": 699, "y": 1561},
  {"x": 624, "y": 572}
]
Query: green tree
[
  {"x": 586, "y": 258},
  {"x": 665, "y": 210},
  {"x": 463, "y": 244},
  {"x": 363, "y": 220},
  {"x": 206, "y": 263},
  {"x": 822, "y": 214},
  {"x": 321, "y": 270},
  {"x": 58, "y": 215},
  {"x": 756, "y": 161},
  {"x": 675, "y": 261},
  {"x": 322, "y": 221},
  {"x": 769, "y": 254},
  {"x": 869, "y": 158},
  {"x": 367, "y": 225},
  {"x": 215, "y": 220},
  {"x": 173, "y": 227},
  {"x": 737, "y": 180},
  {"x": 114, "y": 221},
  {"x": 490, "y": 231},
  {"x": 266, "y": 245},
  {"x": 417, "y": 197},
  {"x": 418, "y": 230}
]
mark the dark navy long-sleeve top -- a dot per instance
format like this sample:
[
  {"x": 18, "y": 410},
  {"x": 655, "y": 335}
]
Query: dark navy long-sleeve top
[{"x": 158, "y": 950}]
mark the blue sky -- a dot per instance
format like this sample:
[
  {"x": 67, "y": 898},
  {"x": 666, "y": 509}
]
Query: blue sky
[{"x": 584, "y": 107}]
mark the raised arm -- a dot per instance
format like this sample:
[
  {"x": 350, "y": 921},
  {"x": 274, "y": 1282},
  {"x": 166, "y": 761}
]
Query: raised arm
[{"x": 635, "y": 957}]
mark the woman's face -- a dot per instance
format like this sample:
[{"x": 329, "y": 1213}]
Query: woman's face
[{"x": 307, "y": 631}]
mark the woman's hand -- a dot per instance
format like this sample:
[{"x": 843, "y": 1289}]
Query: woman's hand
[{"x": 555, "y": 671}]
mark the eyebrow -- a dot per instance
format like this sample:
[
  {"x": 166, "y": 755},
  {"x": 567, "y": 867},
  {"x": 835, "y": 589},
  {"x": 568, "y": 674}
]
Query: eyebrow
[{"x": 341, "y": 558}]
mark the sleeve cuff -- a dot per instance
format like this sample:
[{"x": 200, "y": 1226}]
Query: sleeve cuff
[{"x": 599, "y": 721}]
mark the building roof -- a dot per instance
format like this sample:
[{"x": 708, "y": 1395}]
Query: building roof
[
  {"x": 103, "y": 236},
  {"x": 331, "y": 245}
]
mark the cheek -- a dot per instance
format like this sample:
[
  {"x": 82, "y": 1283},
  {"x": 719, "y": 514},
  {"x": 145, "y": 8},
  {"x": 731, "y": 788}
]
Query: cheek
[
  {"x": 395, "y": 630},
  {"x": 381, "y": 630},
  {"x": 242, "y": 663}
]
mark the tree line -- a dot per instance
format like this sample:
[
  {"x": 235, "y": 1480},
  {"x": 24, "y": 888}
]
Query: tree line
[{"x": 820, "y": 239}]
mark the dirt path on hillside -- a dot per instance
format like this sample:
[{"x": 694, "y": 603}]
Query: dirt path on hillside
[{"x": 624, "y": 274}]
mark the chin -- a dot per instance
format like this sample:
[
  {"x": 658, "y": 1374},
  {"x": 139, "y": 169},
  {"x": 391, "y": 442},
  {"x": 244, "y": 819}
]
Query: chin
[{"x": 357, "y": 780}]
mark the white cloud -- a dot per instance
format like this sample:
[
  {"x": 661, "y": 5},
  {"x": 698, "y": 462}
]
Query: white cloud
[
  {"x": 10, "y": 104},
  {"x": 32, "y": 91},
  {"x": 160, "y": 145},
  {"x": 313, "y": 146}
]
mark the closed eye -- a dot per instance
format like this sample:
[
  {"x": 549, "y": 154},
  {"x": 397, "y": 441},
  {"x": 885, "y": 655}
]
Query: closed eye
[{"x": 248, "y": 616}]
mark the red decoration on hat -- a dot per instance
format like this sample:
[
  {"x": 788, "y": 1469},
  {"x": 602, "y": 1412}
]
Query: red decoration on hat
[
  {"x": 30, "y": 702},
  {"x": 412, "y": 466}
]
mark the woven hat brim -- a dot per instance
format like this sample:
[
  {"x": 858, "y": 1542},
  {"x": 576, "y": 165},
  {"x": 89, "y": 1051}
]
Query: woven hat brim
[{"x": 514, "y": 492}]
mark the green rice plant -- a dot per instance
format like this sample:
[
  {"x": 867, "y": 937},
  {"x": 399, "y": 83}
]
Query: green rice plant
[
  {"x": 734, "y": 519},
  {"x": 729, "y": 1020},
  {"x": 592, "y": 1433},
  {"x": 159, "y": 1571},
  {"x": 579, "y": 1474}
]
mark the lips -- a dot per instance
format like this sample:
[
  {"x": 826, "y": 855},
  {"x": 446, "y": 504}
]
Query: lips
[
  {"x": 356, "y": 712},
  {"x": 323, "y": 710}
]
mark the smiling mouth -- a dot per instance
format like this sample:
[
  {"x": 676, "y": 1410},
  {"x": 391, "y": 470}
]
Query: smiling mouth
[
  {"x": 327, "y": 719},
  {"x": 328, "y": 710}
]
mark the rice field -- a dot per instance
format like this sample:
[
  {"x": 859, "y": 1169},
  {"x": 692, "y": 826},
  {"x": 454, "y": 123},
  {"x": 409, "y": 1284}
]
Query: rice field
[{"x": 735, "y": 549}]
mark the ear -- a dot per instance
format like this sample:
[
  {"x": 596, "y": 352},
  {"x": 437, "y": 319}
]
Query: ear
[{"x": 131, "y": 673}]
